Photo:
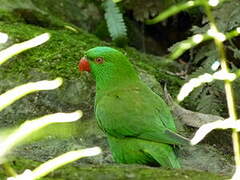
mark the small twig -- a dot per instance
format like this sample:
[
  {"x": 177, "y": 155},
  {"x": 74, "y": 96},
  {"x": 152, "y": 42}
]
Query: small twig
[
  {"x": 20, "y": 47},
  {"x": 172, "y": 11},
  {"x": 188, "y": 87},
  {"x": 220, "y": 124},
  {"x": 55, "y": 163},
  {"x": 29, "y": 127},
  {"x": 16, "y": 93}
]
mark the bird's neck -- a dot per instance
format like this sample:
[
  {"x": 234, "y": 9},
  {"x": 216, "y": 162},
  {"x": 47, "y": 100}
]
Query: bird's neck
[
  {"x": 103, "y": 86},
  {"x": 115, "y": 82}
]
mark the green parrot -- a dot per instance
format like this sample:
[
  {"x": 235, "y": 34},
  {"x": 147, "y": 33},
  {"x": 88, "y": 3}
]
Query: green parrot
[{"x": 138, "y": 123}]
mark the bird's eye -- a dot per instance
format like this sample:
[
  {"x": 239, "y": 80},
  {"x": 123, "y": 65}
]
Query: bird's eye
[{"x": 99, "y": 60}]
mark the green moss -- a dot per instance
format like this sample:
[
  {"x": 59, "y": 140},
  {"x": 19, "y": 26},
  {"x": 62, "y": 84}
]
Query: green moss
[
  {"x": 58, "y": 57},
  {"x": 9, "y": 16},
  {"x": 108, "y": 172}
]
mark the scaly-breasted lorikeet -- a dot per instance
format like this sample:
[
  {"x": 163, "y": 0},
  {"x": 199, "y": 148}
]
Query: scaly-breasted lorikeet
[{"x": 138, "y": 124}]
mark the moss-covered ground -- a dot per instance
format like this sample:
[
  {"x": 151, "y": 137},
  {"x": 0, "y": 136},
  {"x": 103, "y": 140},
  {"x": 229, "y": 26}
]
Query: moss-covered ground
[{"x": 114, "y": 171}]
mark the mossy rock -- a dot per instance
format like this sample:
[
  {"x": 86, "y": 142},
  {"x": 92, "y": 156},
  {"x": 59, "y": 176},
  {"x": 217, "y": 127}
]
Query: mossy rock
[{"x": 113, "y": 171}]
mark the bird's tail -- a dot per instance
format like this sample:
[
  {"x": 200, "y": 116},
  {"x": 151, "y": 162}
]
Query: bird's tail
[{"x": 163, "y": 154}]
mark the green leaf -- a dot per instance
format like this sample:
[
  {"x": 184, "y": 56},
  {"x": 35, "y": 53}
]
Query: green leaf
[{"x": 115, "y": 22}]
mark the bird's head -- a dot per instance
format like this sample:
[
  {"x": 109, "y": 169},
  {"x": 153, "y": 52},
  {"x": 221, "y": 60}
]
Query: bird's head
[{"x": 107, "y": 65}]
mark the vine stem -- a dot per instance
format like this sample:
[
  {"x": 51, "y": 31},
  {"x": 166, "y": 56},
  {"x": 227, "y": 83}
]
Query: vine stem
[{"x": 228, "y": 85}]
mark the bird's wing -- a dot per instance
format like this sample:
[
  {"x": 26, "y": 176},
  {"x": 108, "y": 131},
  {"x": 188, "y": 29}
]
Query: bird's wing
[{"x": 137, "y": 112}]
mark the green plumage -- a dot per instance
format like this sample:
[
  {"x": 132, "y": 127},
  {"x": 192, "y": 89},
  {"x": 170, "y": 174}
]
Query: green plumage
[{"x": 138, "y": 123}]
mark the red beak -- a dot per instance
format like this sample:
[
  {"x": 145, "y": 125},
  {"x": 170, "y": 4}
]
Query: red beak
[{"x": 84, "y": 65}]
